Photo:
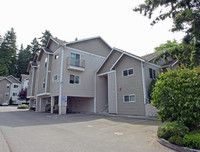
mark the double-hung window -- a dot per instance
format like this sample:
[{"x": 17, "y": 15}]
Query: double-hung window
[
  {"x": 75, "y": 60},
  {"x": 128, "y": 72},
  {"x": 74, "y": 79},
  {"x": 15, "y": 86}
]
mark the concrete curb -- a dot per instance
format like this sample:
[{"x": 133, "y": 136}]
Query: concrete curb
[{"x": 175, "y": 147}]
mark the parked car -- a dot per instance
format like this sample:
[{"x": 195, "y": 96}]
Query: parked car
[{"x": 5, "y": 104}]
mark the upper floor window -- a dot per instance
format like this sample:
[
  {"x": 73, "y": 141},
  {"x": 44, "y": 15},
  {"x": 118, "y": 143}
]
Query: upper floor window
[
  {"x": 128, "y": 72},
  {"x": 45, "y": 62},
  {"x": 56, "y": 56},
  {"x": 129, "y": 98},
  {"x": 55, "y": 77},
  {"x": 7, "y": 94},
  {"x": 14, "y": 94},
  {"x": 75, "y": 59},
  {"x": 8, "y": 85},
  {"x": 43, "y": 84},
  {"x": 152, "y": 73},
  {"x": 15, "y": 86},
  {"x": 74, "y": 79}
]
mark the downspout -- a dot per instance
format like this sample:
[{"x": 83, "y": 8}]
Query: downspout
[
  {"x": 143, "y": 82},
  {"x": 95, "y": 91},
  {"x": 46, "y": 80},
  {"x": 32, "y": 82},
  {"x": 61, "y": 81}
]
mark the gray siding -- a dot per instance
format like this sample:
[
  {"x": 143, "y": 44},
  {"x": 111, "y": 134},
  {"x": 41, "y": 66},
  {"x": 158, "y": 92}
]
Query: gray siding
[
  {"x": 130, "y": 85},
  {"x": 3, "y": 90},
  {"x": 95, "y": 46}
]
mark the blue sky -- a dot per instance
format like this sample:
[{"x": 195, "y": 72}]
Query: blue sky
[{"x": 113, "y": 20}]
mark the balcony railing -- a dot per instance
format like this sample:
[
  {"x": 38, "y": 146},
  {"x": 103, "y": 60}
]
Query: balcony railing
[{"x": 75, "y": 64}]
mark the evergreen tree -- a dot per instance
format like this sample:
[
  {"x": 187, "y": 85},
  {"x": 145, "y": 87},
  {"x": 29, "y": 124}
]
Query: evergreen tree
[
  {"x": 8, "y": 51},
  {"x": 45, "y": 38},
  {"x": 35, "y": 47},
  {"x": 24, "y": 57}
]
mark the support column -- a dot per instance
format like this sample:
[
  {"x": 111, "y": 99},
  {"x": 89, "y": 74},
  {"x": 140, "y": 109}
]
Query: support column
[
  {"x": 40, "y": 104},
  {"x": 31, "y": 104},
  {"x": 37, "y": 104},
  {"x": 62, "y": 106},
  {"x": 52, "y": 103}
]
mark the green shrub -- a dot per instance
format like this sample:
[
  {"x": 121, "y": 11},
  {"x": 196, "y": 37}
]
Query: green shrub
[
  {"x": 192, "y": 140},
  {"x": 10, "y": 101},
  {"x": 151, "y": 86},
  {"x": 177, "y": 95},
  {"x": 177, "y": 140},
  {"x": 22, "y": 106},
  {"x": 172, "y": 129}
]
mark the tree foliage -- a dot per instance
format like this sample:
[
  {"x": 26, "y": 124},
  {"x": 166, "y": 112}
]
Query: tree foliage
[
  {"x": 45, "y": 38},
  {"x": 169, "y": 44},
  {"x": 8, "y": 51},
  {"x": 23, "y": 95},
  {"x": 177, "y": 95}
]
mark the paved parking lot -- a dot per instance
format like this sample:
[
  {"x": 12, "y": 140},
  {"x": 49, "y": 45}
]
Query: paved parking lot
[{"x": 28, "y": 131}]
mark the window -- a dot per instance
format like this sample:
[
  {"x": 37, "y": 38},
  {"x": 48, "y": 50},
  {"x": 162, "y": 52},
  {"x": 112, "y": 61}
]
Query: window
[
  {"x": 45, "y": 62},
  {"x": 7, "y": 94},
  {"x": 74, "y": 79},
  {"x": 129, "y": 98},
  {"x": 14, "y": 94},
  {"x": 55, "y": 77},
  {"x": 8, "y": 85},
  {"x": 75, "y": 59},
  {"x": 152, "y": 73},
  {"x": 128, "y": 72},
  {"x": 56, "y": 56},
  {"x": 15, "y": 86},
  {"x": 43, "y": 84}
]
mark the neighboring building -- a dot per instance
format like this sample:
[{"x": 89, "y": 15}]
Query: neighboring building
[
  {"x": 9, "y": 88},
  {"x": 24, "y": 81},
  {"x": 89, "y": 76}
]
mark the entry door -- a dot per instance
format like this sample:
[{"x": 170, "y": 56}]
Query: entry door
[{"x": 112, "y": 100}]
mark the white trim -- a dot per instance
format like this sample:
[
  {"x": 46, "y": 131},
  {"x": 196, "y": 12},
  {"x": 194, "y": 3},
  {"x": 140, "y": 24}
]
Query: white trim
[
  {"x": 108, "y": 80},
  {"x": 61, "y": 82},
  {"x": 106, "y": 73},
  {"x": 46, "y": 51},
  {"x": 43, "y": 94},
  {"x": 46, "y": 79},
  {"x": 81, "y": 51},
  {"x": 104, "y": 61},
  {"x": 129, "y": 97},
  {"x": 75, "y": 68},
  {"x": 52, "y": 40},
  {"x": 13, "y": 78},
  {"x": 56, "y": 51},
  {"x": 117, "y": 61},
  {"x": 131, "y": 55},
  {"x": 143, "y": 82},
  {"x": 116, "y": 91},
  {"x": 152, "y": 64}
]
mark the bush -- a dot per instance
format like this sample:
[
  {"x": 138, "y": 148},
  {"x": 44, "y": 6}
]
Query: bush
[
  {"x": 192, "y": 140},
  {"x": 22, "y": 106},
  {"x": 172, "y": 129},
  {"x": 10, "y": 101},
  {"x": 177, "y": 95},
  {"x": 151, "y": 86},
  {"x": 177, "y": 140}
]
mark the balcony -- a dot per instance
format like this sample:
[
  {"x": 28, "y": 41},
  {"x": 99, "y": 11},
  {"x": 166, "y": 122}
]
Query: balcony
[{"x": 75, "y": 64}]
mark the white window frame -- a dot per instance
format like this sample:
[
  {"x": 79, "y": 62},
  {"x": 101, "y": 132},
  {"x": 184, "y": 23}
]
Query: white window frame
[
  {"x": 74, "y": 79},
  {"x": 56, "y": 56},
  {"x": 129, "y": 95},
  {"x": 8, "y": 85},
  {"x": 127, "y": 72}
]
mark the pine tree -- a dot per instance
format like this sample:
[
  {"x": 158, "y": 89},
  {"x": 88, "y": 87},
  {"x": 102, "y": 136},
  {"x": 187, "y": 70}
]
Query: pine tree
[
  {"x": 24, "y": 57},
  {"x": 8, "y": 51},
  {"x": 35, "y": 47},
  {"x": 45, "y": 38}
]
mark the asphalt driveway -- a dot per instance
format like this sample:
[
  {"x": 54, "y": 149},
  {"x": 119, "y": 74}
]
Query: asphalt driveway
[{"x": 28, "y": 131}]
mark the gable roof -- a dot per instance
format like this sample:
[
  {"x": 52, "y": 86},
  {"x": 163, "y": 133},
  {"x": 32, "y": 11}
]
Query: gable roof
[
  {"x": 88, "y": 39},
  {"x": 13, "y": 79},
  {"x": 5, "y": 78}
]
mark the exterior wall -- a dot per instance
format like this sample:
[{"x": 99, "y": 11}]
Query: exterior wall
[
  {"x": 55, "y": 70},
  {"x": 85, "y": 88},
  {"x": 95, "y": 46},
  {"x": 81, "y": 104},
  {"x": 147, "y": 76},
  {"x": 109, "y": 62},
  {"x": 42, "y": 74},
  {"x": 15, "y": 90},
  {"x": 12, "y": 79},
  {"x": 3, "y": 90},
  {"x": 53, "y": 46},
  {"x": 112, "y": 101},
  {"x": 101, "y": 94},
  {"x": 130, "y": 85}
]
